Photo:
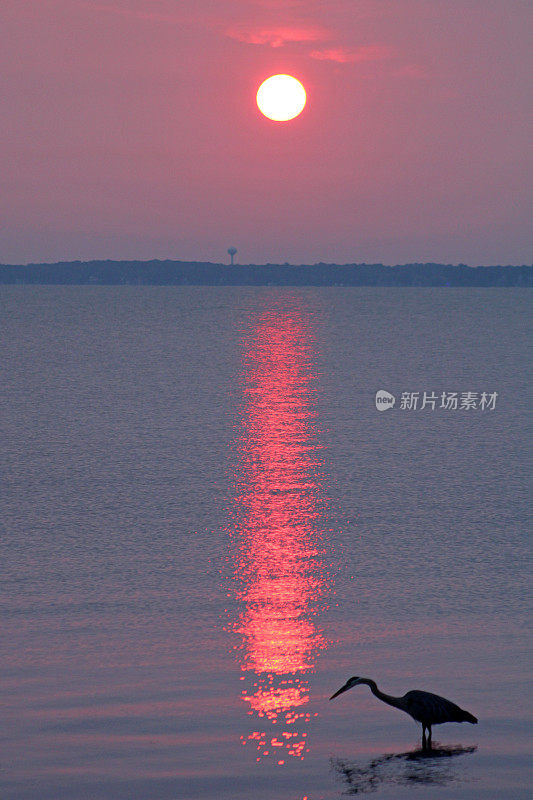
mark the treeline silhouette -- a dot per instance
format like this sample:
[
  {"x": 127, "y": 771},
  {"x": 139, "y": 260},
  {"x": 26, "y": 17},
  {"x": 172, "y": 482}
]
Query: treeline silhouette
[{"x": 197, "y": 273}]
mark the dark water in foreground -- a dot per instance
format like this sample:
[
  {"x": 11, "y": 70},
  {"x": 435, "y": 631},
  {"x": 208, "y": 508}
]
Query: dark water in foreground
[{"x": 207, "y": 527}]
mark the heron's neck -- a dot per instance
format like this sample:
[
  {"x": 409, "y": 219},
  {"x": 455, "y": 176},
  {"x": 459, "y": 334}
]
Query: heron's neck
[{"x": 397, "y": 702}]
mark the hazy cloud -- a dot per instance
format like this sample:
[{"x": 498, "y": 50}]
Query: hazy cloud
[
  {"x": 278, "y": 36},
  {"x": 344, "y": 55}
]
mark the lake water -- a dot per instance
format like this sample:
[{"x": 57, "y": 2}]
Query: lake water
[{"x": 207, "y": 527}]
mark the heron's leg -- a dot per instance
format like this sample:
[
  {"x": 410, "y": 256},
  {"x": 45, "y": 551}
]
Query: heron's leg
[
  {"x": 429, "y": 738},
  {"x": 424, "y": 744}
]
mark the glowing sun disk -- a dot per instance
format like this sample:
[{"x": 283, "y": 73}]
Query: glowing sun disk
[{"x": 281, "y": 97}]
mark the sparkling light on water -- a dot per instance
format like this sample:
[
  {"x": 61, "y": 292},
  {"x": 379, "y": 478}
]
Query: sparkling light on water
[{"x": 280, "y": 575}]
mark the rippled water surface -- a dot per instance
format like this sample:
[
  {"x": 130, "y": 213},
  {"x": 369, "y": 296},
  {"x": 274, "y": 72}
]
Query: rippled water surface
[{"x": 207, "y": 527}]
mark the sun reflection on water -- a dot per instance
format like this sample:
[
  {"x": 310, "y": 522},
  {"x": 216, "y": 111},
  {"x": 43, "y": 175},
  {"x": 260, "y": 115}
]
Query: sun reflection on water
[{"x": 281, "y": 578}]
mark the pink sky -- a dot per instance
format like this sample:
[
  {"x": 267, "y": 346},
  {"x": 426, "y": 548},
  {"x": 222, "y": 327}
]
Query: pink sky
[{"x": 130, "y": 130}]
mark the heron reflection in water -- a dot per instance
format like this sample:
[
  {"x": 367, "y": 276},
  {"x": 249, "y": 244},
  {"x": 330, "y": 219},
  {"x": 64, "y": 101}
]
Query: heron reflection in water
[
  {"x": 422, "y": 767},
  {"x": 424, "y": 707}
]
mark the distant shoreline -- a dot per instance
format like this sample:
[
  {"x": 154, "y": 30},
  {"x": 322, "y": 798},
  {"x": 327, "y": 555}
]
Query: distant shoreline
[{"x": 198, "y": 273}]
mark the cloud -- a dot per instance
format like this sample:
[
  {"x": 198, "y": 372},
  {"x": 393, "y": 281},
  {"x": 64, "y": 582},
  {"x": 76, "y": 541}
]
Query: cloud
[
  {"x": 279, "y": 35},
  {"x": 311, "y": 35},
  {"x": 344, "y": 55}
]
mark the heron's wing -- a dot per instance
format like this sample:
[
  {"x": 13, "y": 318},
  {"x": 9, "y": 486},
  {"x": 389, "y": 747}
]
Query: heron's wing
[{"x": 432, "y": 709}]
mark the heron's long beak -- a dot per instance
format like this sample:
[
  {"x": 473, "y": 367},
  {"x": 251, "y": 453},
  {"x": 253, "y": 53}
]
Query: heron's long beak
[{"x": 340, "y": 691}]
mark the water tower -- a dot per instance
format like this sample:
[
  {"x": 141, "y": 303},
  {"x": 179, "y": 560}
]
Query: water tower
[{"x": 232, "y": 251}]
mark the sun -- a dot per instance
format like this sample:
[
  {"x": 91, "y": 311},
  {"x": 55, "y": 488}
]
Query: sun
[{"x": 281, "y": 97}]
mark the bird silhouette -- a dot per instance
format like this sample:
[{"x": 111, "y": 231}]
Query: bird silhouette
[{"x": 424, "y": 707}]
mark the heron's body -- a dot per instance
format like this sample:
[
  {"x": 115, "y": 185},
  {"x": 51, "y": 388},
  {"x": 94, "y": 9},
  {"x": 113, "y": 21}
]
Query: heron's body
[{"x": 424, "y": 707}]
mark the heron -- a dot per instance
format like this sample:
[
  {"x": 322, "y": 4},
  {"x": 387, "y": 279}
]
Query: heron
[{"x": 424, "y": 707}]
